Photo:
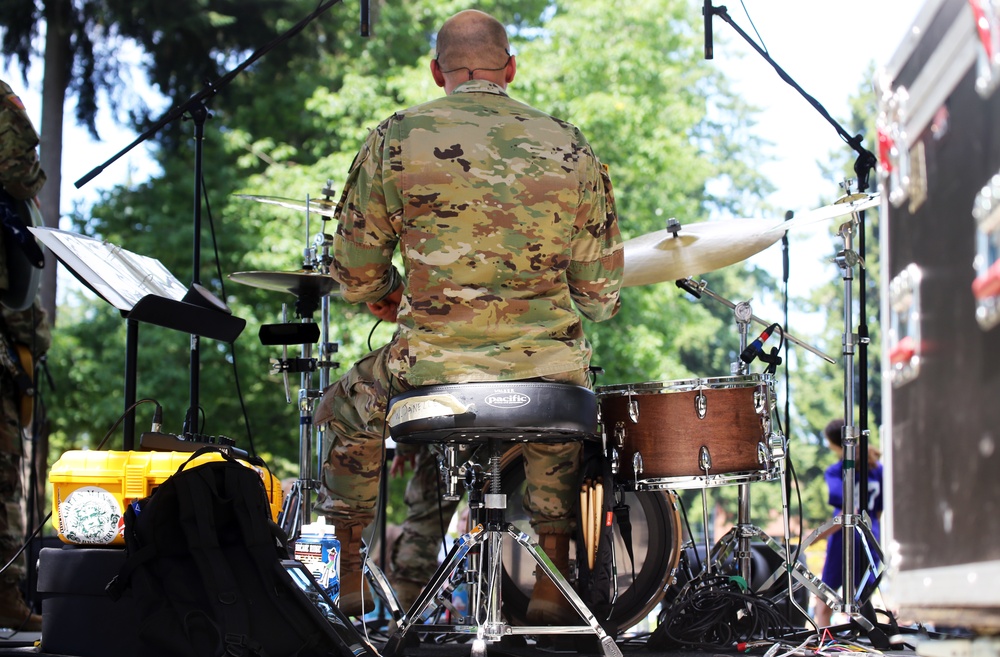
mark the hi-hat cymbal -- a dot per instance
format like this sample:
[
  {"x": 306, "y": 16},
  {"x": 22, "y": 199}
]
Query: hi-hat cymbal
[
  {"x": 843, "y": 207},
  {"x": 321, "y": 206},
  {"x": 299, "y": 283},
  {"x": 698, "y": 248}
]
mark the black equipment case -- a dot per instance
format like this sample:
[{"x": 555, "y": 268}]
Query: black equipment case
[
  {"x": 939, "y": 169},
  {"x": 78, "y": 616}
]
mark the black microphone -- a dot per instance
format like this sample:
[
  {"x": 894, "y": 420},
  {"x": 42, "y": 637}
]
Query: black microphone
[
  {"x": 754, "y": 348},
  {"x": 707, "y": 11},
  {"x": 364, "y": 18}
]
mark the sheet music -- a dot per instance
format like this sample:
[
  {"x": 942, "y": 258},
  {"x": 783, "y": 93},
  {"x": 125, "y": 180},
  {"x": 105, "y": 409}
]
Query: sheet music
[{"x": 119, "y": 276}]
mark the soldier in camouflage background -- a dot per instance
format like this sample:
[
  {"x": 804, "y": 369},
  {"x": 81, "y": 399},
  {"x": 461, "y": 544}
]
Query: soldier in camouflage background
[
  {"x": 507, "y": 228},
  {"x": 21, "y": 177}
]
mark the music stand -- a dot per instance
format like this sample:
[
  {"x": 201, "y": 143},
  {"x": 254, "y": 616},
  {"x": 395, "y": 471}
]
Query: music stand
[{"x": 143, "y": 290}]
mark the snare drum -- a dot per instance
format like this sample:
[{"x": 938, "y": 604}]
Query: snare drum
[{"x": 692, "y": 433}]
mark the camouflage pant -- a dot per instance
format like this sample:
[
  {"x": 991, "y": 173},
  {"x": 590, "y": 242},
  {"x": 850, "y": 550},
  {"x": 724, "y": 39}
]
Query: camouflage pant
[
  {"x": 353, "y": 410},
  {"x": 11, "y": 495},
  {"x": 415, "y": 553}
]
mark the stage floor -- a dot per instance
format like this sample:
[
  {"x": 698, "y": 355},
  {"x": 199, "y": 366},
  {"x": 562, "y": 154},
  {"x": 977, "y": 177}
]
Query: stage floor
[{"x": 906, "y": 644}]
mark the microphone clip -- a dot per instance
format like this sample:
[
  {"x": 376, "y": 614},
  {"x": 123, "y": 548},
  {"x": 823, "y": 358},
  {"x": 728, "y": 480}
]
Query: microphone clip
[{"x": 772, "y": 359}]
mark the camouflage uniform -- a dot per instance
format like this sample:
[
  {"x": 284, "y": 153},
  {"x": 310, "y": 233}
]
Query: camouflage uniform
[
  {"x": 506, "y": 223},
  {"x": 20, "y": 173},
  {"x": 21, "y": 177}
]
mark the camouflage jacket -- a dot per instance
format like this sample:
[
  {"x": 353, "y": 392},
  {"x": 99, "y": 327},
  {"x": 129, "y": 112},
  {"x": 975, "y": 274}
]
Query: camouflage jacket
[
  {"x": 20, "y": 172},
  {"x": 505, "y": 220}
]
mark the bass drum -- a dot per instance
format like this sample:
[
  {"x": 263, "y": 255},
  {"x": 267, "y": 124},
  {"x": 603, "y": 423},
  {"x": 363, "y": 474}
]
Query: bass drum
[{"x": 656, "y": 542}]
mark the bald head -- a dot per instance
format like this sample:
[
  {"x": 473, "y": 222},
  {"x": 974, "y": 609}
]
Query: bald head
[{"x": 472, "y": 39}]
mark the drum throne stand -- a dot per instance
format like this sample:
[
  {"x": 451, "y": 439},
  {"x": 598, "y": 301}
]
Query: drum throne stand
[{"x": 491, "y": 414}]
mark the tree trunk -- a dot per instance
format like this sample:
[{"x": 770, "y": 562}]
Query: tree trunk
[{"x": 58, "y": 63}]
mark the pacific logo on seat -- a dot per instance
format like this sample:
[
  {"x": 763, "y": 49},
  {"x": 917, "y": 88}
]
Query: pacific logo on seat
[{"x": 507, "y": 399}]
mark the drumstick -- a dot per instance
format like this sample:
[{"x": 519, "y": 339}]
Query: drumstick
[
  {"x": 591, "y": 547},
  {"x": 598, "y": 512},
  {"x": 598, "y": 509},
  {"x": 585, "y": 516}
]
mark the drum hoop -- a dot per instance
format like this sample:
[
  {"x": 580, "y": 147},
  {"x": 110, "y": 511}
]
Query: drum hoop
[
  {"x": 709, "y": 481},
  {"x": 687, "y": 385}
]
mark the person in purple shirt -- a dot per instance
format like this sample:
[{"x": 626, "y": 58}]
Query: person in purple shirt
[{"x": 833, "y": 567}]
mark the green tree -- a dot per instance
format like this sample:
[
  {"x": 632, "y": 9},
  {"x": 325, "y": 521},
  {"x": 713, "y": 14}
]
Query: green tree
[{"x": 666, "y": 124}]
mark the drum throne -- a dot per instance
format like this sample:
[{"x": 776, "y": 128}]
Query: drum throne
[{"x": 458, "y": 417}]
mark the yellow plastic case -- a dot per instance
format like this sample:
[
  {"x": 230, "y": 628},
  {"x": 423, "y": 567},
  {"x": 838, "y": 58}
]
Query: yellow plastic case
[{"x": 91, "y": 490}]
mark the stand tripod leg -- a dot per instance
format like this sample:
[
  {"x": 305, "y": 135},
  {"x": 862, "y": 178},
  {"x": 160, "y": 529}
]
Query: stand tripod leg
[
  {"x": 608, "y": 645},
  {"x": 437, "y": 583}
]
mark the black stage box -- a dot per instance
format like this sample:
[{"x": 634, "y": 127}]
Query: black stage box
[
  {"x": 939, "y": 169},
  {"x": 78, "y": 617}
]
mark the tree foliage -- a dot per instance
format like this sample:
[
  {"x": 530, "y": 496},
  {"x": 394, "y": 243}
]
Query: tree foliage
[{"x": 675, "y": 138}]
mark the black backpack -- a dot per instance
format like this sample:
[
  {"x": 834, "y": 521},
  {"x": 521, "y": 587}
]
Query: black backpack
[{"x": 204, "y": 562}]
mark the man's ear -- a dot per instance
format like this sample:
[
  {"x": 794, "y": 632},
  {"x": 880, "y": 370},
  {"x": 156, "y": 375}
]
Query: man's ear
[
  {"x": 511, "y": 69},
  {"x": 436, "y": 73}
]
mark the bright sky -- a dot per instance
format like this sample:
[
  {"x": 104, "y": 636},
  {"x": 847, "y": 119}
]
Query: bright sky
[{"x": 825, "y": 47}]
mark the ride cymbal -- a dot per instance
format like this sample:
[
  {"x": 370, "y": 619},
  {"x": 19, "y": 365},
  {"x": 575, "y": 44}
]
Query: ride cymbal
[
  {"x": 299, "y": 283},
  {"x": 697, "y": 248},
  {"x": 321, "y": 206}
]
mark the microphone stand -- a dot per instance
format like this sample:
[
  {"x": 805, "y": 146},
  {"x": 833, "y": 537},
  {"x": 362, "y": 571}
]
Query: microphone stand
[
  {"x": 863, "y": 165},
  {"x": 196, "y": 107}
]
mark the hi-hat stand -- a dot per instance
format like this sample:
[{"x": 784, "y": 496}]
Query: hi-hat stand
[
  {"x": 312, "y": 287},
  {"x": 853, "y": 520}
]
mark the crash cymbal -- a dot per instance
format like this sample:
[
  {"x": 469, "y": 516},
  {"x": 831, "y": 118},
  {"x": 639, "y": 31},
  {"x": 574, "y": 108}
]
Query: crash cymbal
[
  {"x": 698, "y": 248},
  {"x": 299, "y": 283},
  {"x": 321, "y": 206},
  {"x": 841, "y": 208}
]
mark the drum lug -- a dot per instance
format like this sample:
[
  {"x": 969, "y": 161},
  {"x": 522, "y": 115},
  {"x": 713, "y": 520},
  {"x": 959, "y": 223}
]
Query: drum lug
[
  {"x": 619, "y": 435},
  {"x": 633, "y": 410},
  {"x": 637, "y": 465},
  {"x": 763, "y": 456},
  {"x": 761, "y": 400},
  {"x": 701, "y": 405},
  {"x": 777, "y": 446},
  {"x": 704, "y": 459},
  {"x": 615, "y": 461}
]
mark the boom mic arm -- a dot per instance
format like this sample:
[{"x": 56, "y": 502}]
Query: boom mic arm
[{"x": 708, "y": 11}]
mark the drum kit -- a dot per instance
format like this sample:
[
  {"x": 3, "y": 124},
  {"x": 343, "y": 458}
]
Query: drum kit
[{"x": 659, "y": 436}]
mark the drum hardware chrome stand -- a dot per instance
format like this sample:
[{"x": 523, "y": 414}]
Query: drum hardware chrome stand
[
  {"x": 485, "y": 596},
  {"x": 297, "y": 509},
  {"x": 697, "y": 288},
  {"x": 863, "y": 165},
  {"x": 705, "y": 463},
  {"x": 745, "y": 531},
  {"x": 850, "y": 520}
]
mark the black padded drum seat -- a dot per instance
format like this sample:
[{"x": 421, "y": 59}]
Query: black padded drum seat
[{"x": 509, "y": 411}]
